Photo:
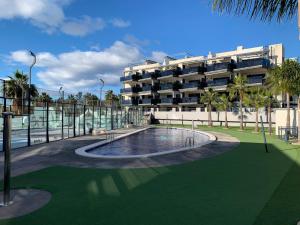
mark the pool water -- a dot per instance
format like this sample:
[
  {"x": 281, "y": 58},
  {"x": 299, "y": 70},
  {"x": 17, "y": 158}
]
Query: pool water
[{"x": 151, "y": 141}]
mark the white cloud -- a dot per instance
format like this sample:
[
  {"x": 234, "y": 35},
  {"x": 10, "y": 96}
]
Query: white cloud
[
  {"x": 133, "y": 40},
  {"x": 80, "y": 69},
  {"x": 49, "y": 16},
  {"x": 118, "y": 22},
  {"x": 158, "y": 56},
  {"x": 83, "y": 26}
]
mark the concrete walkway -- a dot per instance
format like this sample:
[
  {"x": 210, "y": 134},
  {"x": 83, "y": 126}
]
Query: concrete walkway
[{"x": 61, "y": 153}]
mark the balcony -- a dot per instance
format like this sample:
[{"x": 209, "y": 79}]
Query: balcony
[
  {"x": 130, "y": 90},
  {"x": 129, "y": 102},
  {"x": 150, "y": 75},
  {"x": 169, "y": 87},
  {"x": 148, "y": 101},
  {"x": 219, "y": 68},
  {"x": 192, "y": 86},
  {"x": 129, "y": 78},
  {"x": 169, "y": 73},
  {"x": 255, "y": 80},
  {"x": 169, "y": 101},
  {"x": 218, "y": 84},
  {"x": 192, "y": 71},
  {"x": 252, "y": 63},
  {"x": 190, "y": 101}
]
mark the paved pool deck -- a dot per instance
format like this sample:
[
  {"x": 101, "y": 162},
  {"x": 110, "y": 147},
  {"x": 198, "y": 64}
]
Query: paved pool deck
[{"x": 61, "y": 153}]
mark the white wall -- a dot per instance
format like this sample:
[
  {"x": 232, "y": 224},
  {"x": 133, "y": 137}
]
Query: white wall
[
  {"x": 281, "y": 118},
  {"x": 249, "y": 117}
]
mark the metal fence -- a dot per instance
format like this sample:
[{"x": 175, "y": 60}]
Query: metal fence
[
  {"x": 288, "y": 133},
  {"x": 59, "y": 119}
]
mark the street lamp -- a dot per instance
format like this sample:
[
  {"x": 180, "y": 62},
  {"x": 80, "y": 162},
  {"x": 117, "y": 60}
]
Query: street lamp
[
  {"x": 62, "y": 93},
  {"x": 29, "y": 90},
  {"x": 102, "y": 85}
]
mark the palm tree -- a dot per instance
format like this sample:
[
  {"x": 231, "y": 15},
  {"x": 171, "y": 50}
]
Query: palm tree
[
  {"x": 255, "y": 99},
  {"x": 224, "y": 103},
  {"x": 209, "y": 98},
  {"x": 284, "y": 79},
  {"x": 269, "y": 101},
  {"x": 44, "y": 97},
  {"x": 17, "y": 88},
  {"x": 111, "y": 98},
  {"x": 239, "y": 90},
  {"x": 262, "y": 9},
  {"x": 71, "y": 99},
  {"x": 90, "y": 99}
]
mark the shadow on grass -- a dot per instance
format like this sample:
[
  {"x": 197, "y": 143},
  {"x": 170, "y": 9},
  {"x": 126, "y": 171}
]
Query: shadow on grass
[{"x": 243, "y": 186}]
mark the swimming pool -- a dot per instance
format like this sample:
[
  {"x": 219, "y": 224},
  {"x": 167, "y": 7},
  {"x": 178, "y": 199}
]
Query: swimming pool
[{"x": 149, "y": 142}]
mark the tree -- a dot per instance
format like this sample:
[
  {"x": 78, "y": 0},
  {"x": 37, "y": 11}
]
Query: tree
[
  {"x": 90, "y": 99},
  {"x": 239, "y": 90},
  {"x": 71, "y": 99},
  {"x": 256, "y": 99},
  {"x": 269, "y": 101},
  {"x": 285, "y": 79},
  {"x": 224, "y": 103},
  {"x": 111, "y": 98},
  {"x": 209, "y": 98},
  {"x": 262, "y": 9},
  {"x": 17, "y": 88},
  {"x": 44, "y": 97}
]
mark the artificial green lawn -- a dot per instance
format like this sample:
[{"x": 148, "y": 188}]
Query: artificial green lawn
[{"x": 244, "y": 186}]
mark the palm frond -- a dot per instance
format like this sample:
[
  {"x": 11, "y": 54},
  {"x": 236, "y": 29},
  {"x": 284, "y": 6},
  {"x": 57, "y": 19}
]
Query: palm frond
[{"x": 265, "y": 10}]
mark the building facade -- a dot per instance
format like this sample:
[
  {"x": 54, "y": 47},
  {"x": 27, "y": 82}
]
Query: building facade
[{"x": 177, "y": 84}]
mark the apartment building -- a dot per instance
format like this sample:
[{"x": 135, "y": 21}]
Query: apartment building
[{"x": 177, "y": 84}]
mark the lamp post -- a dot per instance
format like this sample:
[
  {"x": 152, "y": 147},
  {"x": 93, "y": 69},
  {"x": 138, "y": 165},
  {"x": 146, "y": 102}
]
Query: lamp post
[
  {"x": 101, "y": 87},
  {"x": 29, "y": 93},
  {"x": 62, "y": 96},
  {"x": 100, "y": 96}
]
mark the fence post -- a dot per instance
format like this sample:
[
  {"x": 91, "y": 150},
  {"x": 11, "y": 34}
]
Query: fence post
[
  {"x": 62, "y": 120},
  {"x": 29, "y": 119},
  {"x": 7, "y": 117},
  {"x": 100, "y": 116},
  {"x": 111, "y": 118},
  {"x": 121, "y": 122},
  {"x": 84, "y": 109},
  {"x": 47, "y": 122},
  {"x": 4, "y": 95},
  {"x": 74, "y": 120},
  {"x": 93, "y": 117}
]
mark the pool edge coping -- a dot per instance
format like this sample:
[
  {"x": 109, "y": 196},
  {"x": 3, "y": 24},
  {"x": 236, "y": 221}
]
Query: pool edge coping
[{"x": 83, "y": 150}]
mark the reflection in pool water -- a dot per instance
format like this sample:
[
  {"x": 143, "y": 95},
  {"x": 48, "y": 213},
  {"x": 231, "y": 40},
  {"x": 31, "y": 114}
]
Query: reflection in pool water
[{"x": 150, "y": 141}]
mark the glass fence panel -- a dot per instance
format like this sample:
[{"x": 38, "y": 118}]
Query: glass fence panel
[
  {"x": 38, "y": 123},
  {"x": 55, "y": 122}
]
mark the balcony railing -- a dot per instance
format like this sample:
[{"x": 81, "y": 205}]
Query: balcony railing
[
  {"x": 194, "y": 100},
  {"x": 169, "y": 101},
  {"x": 192, "y": 70},
  {"x": 173, "y": 73},
  {"x": 265, "y": 63},
  {"x": 255, "y": 79},
  {"x": 130, "y": 102},
  {"x": 150, "y": 75},
  {"x": 218, "y": 82},
  {"x": 166, "y": 86},
  {"x": 133, "y": 77},
  {"x": 219, "y": 66},
  {"x": 148, "y": 101},
  {"x": 191, "y": 85},
  {"x": 147, "y": 88},
  {"x": 130, "y": 90}
]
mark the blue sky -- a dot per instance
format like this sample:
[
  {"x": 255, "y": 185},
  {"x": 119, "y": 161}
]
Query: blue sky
[{"x": 78, "y": 41}]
